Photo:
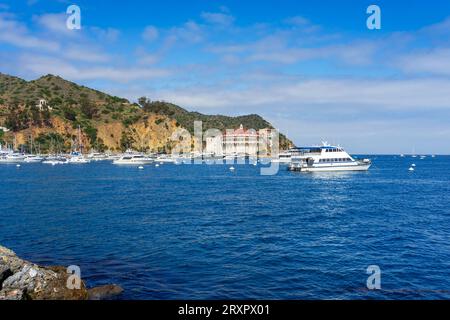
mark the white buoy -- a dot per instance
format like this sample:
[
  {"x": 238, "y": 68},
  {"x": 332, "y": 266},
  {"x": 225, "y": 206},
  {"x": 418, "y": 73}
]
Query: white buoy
[
  {"x": 157, "y": 165},
  {"x": 18, "y": 165},
  {"x": 413, "y": 165},
  {"x": 232, "y": 168},
  {"x": 140, "y": 167},
  {"x": 411, "y": 169}
]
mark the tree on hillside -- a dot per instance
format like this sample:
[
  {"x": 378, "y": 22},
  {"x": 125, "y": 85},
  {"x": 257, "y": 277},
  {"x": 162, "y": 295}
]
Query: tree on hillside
[
  {"x": 69, "y": 114},
  {"x": 2, "y": 136},
  {"x": 88, "y": 108},
  {"x": 159, "y": 107}
]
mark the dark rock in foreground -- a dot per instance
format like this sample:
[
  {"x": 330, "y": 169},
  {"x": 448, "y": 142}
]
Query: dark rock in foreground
[
  {"x": 104, "y": 292},
  {"x": 23, "y": 280}
]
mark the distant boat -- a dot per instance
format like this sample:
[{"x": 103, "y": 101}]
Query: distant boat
[
  {"x": 55, "y": 160},
  {"x": 11, "y": 157},
  {"x": 97, "y": 156},
  {"x": 132, "y": 159},
  {"x": 31, "y": 158},
  {"x": 164, "y": 158},
  {"x": 78, "y": 158}
]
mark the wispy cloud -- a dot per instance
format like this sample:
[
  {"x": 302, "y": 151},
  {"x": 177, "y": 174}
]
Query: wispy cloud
[
  {"x": 40, "y": 65},
  {"x": 435, "y": 61},
  {"x": 14, "y": 33},
  {"x": 218, "y": 18},
  {"x": 150, "y": 33}
]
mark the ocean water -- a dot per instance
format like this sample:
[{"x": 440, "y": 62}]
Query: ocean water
[{"x": 204, "y": 232}]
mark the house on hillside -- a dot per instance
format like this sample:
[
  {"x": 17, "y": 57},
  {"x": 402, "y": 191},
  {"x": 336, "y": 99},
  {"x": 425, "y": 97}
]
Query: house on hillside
[{"x": 42, "y": 105}]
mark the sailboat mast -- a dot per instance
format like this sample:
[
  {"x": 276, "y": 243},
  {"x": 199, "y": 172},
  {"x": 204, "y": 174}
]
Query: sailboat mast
[{"x": 80, "y": 145}]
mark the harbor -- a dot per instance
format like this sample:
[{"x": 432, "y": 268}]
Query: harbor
[{"x": 205, "y": 232}]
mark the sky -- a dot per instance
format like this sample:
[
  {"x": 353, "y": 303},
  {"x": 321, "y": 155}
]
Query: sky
[{"x": 311, "y": 68}]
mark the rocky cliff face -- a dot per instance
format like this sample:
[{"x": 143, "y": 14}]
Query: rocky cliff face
[
  {"x": 24, "y": 280},
  {"x": 152, "y": 133}
]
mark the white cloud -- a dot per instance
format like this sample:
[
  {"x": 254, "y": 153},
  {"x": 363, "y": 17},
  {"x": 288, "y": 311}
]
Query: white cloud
[
  {"x": 297, "y": 21},
  {"x": 39, "y": 65},
  {"x": 55, "y": 23},
  {"x": 15, "y": 33},
  {"x": 329, "y": 95},
  {"x": 150, "y": 33},
  {"x": 218, "y": 18},
  {"x": 84, "y": 53},
  {"x": 435, "y": 61},
  {"x": 108, "y": 34},
  {"x": 190, "y": 32}
]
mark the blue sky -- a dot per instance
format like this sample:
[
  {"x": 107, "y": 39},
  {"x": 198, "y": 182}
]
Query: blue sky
[{"x": 312, "y": 68}]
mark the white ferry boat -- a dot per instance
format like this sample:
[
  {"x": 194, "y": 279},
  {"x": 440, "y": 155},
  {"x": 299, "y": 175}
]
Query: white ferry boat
[
  {"x": 286, "y": 156},
  {"x": 133, "y": 159},
  {"x": 326, "y": 158}
]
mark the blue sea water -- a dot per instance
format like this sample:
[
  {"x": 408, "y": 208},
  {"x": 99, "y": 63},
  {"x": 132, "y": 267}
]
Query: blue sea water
[{"x": 204, "y": 232}]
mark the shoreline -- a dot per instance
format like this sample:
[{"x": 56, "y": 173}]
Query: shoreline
[{"x": 24, "y": 280}]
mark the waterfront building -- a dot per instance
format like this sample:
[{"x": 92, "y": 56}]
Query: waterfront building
[{"x": 240, "y": 141}]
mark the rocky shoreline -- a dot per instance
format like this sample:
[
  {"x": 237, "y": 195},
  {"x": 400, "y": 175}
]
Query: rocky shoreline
[{"x": 24, "y": 280}]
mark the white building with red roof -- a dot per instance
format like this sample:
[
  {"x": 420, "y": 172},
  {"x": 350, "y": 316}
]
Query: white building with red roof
[{"x": 243, "y": 142}]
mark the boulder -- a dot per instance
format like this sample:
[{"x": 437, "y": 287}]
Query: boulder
[
  {"x": 5, "y": 272},
  {"x": 21, "y": 280},
  {"x": 104, "y": 292}
]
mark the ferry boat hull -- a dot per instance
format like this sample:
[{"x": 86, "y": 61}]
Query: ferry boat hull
[{"x": 306, "y": 168}]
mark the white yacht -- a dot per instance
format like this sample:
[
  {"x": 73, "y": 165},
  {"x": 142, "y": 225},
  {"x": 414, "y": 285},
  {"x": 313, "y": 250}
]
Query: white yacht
[
  {"x": 164, "y": 158},
  {"x": 326, "y": 158},
  {"x": 133, "y": 159},
  {"x": 97, "y": 156},
  {"x": 54, "y": 160},
  {"x": 78, "y": 158},
  {"x": 11, "y": 157},
  {"x": 32, "y": 158}
]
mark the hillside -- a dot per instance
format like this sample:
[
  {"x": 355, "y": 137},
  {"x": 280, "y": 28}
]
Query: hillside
[{"x": 106, "y": 122}]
